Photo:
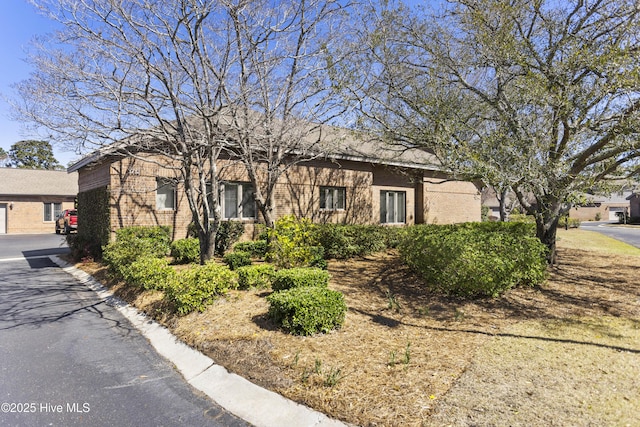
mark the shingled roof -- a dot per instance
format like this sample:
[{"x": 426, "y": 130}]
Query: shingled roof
[
  {"x": 336, "y": 143},
  {"x": 36, "y": 182}
]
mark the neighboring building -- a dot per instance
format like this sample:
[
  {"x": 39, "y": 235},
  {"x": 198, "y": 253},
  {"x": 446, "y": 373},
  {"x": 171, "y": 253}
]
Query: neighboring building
[
  {"x": 492, "y": 204},
  {"x": 634, "y": 204},
  {"x": 349, "y": 185},
  {"x": 603, "y": 208},
  {"x": 31, "y": 199}
]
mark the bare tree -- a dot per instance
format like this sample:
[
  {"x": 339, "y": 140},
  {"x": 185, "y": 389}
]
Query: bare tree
[
  {"x": 537, "y": 96},
  {"x": 280, "y": 96},
  {"x": 189, "y": 81}
]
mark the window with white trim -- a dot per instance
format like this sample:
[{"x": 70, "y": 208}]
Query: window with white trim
[
  {"x": 332, "y": 198},
  {"x": 393, "y": 207},
  {"x": 165, "y": 194},
  {"x": 237, "y": 201},
  {"x": 51, "y": 211}
]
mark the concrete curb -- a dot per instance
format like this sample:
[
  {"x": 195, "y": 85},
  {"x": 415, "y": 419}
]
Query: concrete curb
[{"x": 254, "y": 404}]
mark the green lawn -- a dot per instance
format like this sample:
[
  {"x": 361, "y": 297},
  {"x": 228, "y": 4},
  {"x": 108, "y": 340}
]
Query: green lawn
[{"x": 594, "y": 241}]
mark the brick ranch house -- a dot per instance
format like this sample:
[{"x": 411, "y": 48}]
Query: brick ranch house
[
  {"x": 354, "y": 183},
  {"x": 31, "y": 199},
  {"x": 606, "y": 208}
]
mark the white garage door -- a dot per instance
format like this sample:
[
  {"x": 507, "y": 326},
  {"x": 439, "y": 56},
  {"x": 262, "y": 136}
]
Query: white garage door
[
  {"x": 3, "y": 218},
  {"x": 613, "y": 212}
]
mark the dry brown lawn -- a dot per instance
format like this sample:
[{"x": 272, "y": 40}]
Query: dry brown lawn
[{"x": 565, "y": 353}]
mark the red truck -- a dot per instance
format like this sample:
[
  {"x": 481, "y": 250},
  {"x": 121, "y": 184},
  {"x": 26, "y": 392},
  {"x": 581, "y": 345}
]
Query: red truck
[{"x": 67, "y": 221}]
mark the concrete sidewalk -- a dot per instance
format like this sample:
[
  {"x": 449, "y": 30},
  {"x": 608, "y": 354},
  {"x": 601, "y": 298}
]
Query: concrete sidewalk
[{"x": 242, "y": 398}]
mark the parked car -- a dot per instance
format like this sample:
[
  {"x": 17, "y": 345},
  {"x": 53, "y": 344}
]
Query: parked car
[{"x": 67, "y": 221}]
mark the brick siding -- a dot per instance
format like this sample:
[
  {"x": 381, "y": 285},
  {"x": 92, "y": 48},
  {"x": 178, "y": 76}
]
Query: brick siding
[
  {"x": 132, "y": 185},
  {"x": 25, "y": 214}
]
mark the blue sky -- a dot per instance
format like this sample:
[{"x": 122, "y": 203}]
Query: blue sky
[{"x": 19, "y": 23}]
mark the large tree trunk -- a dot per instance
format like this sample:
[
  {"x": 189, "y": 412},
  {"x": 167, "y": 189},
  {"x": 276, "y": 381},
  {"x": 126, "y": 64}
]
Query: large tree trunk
[
  {"x": 265, "y": 206},
  {"x": 502, "y": 199},
  {"x": 547, "y": 211},
  {"x": 207, "y": 239},
  {"x": 546, "y": 229}
]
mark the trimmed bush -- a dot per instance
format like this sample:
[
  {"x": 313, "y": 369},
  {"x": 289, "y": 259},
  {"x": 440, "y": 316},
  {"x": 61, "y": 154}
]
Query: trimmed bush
[
  {"x": 475, "y": 259},
  {"x": 228, "y": 233},
  {"x": 237, "y": 259},
  {"x": 514, "y": 217},
  {"x": 83, "y": 247},
  {"x": 159, "y": 236},
  {"x": 255, "y": 276},
  {"x": 197, "y": 287},
  {"x": 150, "y": 273},
  {"x": 133, "y": 243},
  {"x": 393, "y": 236},
  {"x": 346, "y": 241},
  {"x": 307, "y": 310},
  {"x": 300, "y": 277},
  {"x": 119, "y": 255},
  {"x": 292, "y": 242},
  {"x": 257, "y": 248},
  {"x": 185, "y": 251}
]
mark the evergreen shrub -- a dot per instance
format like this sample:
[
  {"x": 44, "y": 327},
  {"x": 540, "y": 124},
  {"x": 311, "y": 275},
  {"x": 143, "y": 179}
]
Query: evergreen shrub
[
  {"x": 185, "y": 251},
  {"x": 197, "y": 287},
  {"x": 237, "y": 259},
  {"x": 475, "y": 259},
  {"x": 255, "y": 276},
  {"x": 257, "y": 248},
  {"x": 149, "y": 273},
  {"x": 292, "y": 242},
  {"x": 346, "y": 241},
  {"x": 307, "y": 310},
  {"x": 159, "y": 236},
  {"x": 119, "y": 255},
  {"x": 229, "y": 233},
  {"x": 300, "y": 277}
]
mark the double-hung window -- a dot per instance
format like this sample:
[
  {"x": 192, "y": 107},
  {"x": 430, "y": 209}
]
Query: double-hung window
[
  {"x": 52, "y": 211},
  {"x": 237, "y": 201},
  {"x": 332, "y": 198},
  {"x": 392, "y": 207},
  {"x": 165, "y": 194}
]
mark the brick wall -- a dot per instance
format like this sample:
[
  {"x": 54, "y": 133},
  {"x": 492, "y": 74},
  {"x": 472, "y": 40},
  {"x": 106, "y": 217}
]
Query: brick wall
[
  {"x": 450, "y": 202},
  {"x": 133, "y": 187},
  {"x": 603, "y": 211},
  {"x": 26, "y": 216},
  {"x": 93, "y": 177},
  {"x": 298, "y": 192}
]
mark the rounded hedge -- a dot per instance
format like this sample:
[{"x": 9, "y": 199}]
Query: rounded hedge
[
  {"x": 307, "y": 310},
  {"x": 149, "y": 273},
  {"x": 299, "y": 277},
  {"x": 475, "y": 259},
  {"x": 197, "y": 287},
  {"x": 185, "y": 251},
  {"x": 255, "y": 276},
  {"x": 237, "y": 259}
]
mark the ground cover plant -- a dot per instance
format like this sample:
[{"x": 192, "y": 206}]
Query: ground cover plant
[{"x": 406, "y": 355}]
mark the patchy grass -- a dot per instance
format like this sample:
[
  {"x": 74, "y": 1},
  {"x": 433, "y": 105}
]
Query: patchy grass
[
  {"x": 594, "y": 241},
  {"x": 565, "y": 353},
  {"x": 567, "y": 372}
]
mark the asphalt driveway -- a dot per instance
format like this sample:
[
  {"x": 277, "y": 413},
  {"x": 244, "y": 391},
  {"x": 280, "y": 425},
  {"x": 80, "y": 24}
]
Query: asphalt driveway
[
  {"x": 31, "y": 245},
  {"x": 624, "y": 233},
  {"x": 71, "y": 358}
]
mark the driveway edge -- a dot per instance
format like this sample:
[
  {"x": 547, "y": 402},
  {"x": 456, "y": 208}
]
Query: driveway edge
[{"x": 254, "y": 404}]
